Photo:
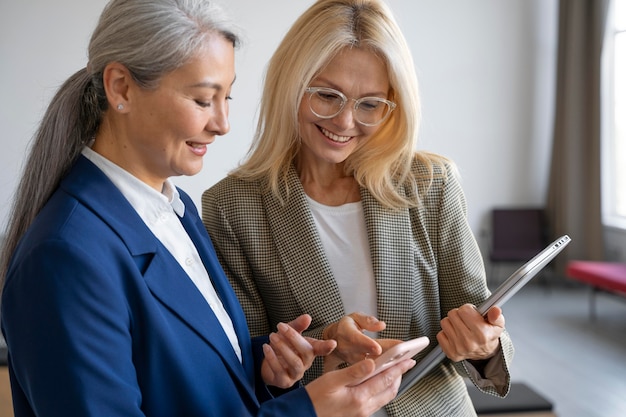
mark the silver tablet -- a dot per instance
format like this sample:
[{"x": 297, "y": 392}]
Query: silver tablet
[{"x": 505, "y": 291}]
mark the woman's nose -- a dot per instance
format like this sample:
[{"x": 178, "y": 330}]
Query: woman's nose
[
  {"x": 345, "y": 118},
  {"x": 218, "y": 122}
]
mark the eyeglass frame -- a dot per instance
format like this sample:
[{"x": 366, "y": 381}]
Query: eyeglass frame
[{"x": 357, "y": 101}]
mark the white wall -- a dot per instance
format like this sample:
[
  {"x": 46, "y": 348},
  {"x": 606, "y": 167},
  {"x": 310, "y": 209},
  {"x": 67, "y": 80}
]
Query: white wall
[{"x": 485, "y": 69}]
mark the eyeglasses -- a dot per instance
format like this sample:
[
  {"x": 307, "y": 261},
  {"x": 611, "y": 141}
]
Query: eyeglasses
[{"x": 327, "y": 103}]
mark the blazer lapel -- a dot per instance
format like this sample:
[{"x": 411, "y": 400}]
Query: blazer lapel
[
  {"x": 171, "y": 286},
  {"x": 393, "y": 262},
  {"x": 302, "y": 254},
  {"x": 167, "y": 281},
  {"x": 201, "y": 239},
  {"x": 311, "y": 278}
]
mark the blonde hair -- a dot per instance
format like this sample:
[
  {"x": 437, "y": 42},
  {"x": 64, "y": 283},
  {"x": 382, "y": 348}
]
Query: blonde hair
[{"x": 382, "y": 163}]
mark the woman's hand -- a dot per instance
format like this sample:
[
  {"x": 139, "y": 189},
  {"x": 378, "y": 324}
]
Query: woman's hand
[
  {"x": 352, "y": 344},
  {"x": 465, "y": 334},
  {"x": 350, "y": 392},
  {"x": 289, "y": 353}
]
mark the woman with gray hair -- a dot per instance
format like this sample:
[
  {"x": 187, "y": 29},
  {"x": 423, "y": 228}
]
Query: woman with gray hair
[
  {"x": 114, "y": 303},
  {"x": 335, "y": 212}
]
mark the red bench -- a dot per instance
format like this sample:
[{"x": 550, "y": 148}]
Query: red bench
[{"x": 608, "y": 277}]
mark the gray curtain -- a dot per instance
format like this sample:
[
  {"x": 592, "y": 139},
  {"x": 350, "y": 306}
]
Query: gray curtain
[{"x": 574, "y": 201}]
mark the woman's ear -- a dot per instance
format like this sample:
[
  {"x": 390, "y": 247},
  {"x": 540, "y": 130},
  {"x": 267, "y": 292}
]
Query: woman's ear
[{"x": 117, "y": 79}]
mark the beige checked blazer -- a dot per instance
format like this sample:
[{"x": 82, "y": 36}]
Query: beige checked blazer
[{"x": 426, "y": 262}]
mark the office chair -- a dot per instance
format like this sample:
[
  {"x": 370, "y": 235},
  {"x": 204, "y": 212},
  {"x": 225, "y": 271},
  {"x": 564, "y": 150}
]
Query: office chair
[{"x": 517, "y": 235}]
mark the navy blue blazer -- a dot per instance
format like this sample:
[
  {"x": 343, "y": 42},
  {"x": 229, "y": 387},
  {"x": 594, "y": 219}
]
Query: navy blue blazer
[{"x": 101, "y": 320}]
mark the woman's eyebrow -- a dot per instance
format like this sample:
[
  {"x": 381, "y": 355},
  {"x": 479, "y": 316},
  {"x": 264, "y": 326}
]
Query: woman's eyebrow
[{"x": 210, "y": 84}]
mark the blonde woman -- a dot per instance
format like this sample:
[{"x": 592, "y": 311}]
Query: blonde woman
[{"x": 333, "y": 212}]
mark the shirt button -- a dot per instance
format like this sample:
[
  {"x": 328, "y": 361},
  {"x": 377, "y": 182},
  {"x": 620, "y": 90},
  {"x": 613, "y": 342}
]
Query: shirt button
[{"x": 189, "y": 261}]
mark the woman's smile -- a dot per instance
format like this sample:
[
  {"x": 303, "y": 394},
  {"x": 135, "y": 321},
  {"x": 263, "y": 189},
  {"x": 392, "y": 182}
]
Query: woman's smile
[
  {"x": 335, "y": 138},
  {"x": 197, "y": 148}
]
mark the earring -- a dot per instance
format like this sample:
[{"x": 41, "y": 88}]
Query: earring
[{"x": 120, "y": 106}]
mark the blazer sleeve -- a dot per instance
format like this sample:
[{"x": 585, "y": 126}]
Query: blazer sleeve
[{"x": 462, "y": 277}]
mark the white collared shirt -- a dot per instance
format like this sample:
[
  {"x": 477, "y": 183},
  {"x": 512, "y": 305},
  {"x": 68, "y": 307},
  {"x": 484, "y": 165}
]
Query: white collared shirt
[{"x": 161, "y": 212}]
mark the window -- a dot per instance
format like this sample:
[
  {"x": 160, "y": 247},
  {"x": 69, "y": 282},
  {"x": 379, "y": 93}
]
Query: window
[{"x": 614, "y": 132}]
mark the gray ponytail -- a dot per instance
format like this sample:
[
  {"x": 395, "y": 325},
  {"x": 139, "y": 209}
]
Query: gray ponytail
[{"x": 63, "y": 132}]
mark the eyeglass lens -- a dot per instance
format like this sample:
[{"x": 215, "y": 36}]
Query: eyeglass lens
[{"x": 327, "y": 103}]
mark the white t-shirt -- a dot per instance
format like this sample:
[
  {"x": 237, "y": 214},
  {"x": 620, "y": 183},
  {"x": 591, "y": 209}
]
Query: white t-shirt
[{"x": 344, "y": 237}]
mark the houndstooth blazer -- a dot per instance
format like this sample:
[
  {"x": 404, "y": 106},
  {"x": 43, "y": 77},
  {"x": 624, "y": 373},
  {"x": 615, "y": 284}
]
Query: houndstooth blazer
[{"x": 426, "y": 262}]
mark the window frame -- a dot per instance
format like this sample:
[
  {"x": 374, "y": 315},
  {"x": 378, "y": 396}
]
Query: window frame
[{"x": 611, "y": 166}]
